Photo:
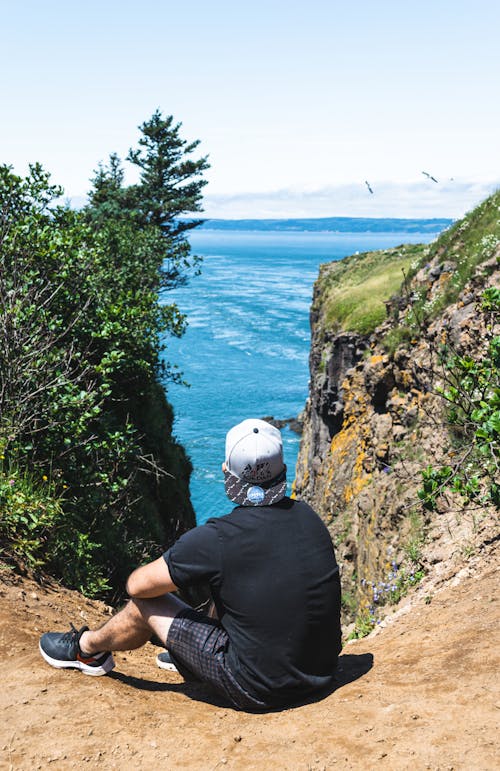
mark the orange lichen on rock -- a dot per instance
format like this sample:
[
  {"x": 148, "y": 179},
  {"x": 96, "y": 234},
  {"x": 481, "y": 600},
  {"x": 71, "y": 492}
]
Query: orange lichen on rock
[
  {"x": 406, "y": 378},
  {"x": 359, "y": 478},
  {"x": 348, "y": 449}
]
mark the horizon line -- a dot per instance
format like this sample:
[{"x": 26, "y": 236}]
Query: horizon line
[{"x": 315, "y": 219}]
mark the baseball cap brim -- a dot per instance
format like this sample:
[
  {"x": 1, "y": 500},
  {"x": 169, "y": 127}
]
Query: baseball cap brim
[{"x": 249, "y": 494}]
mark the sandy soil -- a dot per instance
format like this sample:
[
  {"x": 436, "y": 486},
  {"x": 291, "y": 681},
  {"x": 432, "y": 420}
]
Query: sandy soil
[{"x": 421, "y": 694}]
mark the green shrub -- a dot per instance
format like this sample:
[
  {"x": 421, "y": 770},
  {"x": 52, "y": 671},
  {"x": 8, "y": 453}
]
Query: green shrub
[
  {"x": 363, "y": 625},
  {"x": 472, "y": 396},
  {"x": 29, "y": 511},
  {"x": 82, "y": 317}
]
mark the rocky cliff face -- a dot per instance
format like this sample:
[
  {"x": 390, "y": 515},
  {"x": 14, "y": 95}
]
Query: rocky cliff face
[{"x": 375, "y": 418}]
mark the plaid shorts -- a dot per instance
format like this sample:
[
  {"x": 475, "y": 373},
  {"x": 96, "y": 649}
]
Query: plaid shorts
[{"x": 198, "y": 646}]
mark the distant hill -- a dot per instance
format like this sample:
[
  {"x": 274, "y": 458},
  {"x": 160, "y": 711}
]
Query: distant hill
[{"x": 334, "y": 224}]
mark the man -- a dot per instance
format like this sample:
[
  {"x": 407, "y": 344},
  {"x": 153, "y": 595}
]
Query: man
[{"x": 274, "y": 580}]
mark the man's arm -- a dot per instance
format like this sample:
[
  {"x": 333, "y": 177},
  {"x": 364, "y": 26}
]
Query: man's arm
[{"x": 151, "y": 580}]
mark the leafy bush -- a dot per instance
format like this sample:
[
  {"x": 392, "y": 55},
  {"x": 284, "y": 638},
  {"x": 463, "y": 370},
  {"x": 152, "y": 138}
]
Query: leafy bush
[
  {"x": 472, "y": 395},
  {"x": 35, "y": 531},
  {"x": 30, "y": 510},
  {"x": 81, "y": 318}
]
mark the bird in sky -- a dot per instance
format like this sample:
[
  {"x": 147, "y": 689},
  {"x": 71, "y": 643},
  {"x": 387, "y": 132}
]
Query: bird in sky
[
  {"x": 368, "y": 186},
  {"x": 429, "y": 176}
]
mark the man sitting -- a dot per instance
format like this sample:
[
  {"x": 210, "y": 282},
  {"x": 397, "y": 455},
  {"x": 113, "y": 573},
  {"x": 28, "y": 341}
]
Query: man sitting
[{"x": 274, "y": 580}]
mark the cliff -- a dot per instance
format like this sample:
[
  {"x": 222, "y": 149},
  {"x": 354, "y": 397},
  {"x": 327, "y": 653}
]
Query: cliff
[{"x": 385, "y": 327}]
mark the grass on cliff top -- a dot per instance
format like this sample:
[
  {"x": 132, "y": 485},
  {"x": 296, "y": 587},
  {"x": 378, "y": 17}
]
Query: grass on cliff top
[{"x": 353, "y": 291}]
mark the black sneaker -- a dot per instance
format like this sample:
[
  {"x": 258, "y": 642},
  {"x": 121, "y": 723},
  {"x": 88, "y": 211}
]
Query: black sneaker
[
  {"x": 164, "y": 661},
  {"x": 62, "y": 650}
]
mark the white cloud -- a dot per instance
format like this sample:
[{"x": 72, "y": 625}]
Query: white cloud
[
  {"x": 426, "y": 199},
  {"x": 447, "y": 198}
]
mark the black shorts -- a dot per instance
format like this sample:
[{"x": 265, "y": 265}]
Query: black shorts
[{"x": 198, "y": 646}]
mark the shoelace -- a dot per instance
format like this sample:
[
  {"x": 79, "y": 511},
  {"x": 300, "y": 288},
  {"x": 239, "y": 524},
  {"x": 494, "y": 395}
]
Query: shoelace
[{"x": 71, "y": 635}]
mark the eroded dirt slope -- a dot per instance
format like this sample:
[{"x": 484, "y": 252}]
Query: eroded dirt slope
[{"x": 422, "y": 693}]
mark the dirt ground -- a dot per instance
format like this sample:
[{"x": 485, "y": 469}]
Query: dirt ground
[{"x": 422, "y": 693}]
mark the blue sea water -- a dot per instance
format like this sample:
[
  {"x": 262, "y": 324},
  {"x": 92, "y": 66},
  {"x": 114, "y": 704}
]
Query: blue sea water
[{"x": 245, "y": 352}]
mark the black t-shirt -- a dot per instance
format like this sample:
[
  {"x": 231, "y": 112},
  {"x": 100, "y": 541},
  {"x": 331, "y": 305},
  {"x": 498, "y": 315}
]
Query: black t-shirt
[{"x": 275, "y": 582}]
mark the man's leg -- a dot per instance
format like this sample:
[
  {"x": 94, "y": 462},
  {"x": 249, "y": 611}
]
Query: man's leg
[
  {"x": 89, "y": 650},
  {"x": 132, "y": 626}
]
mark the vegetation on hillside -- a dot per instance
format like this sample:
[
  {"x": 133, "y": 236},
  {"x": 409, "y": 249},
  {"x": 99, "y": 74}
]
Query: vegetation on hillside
[
  {"x": 457, "y": 252},
  {"x": 468, "y": 380},
  {"x": 467, "y": 243},
  {"x": 354, "y": 290},
  {"x": 471, "y": 390},
  {"x": 86, "y": 457},
  {"x": 354, "y": 293}
]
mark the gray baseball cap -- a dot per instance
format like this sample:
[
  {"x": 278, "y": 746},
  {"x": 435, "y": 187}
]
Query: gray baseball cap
[{"x": 255, "y": 473}]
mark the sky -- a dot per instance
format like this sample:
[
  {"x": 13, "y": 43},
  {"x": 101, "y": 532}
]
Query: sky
[{"x": 297, "y": 104}]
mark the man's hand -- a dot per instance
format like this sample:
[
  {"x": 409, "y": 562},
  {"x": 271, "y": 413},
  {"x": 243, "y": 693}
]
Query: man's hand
[{"x": 150, "y": 580}]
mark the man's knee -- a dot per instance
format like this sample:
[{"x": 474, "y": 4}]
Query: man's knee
[
  {"x": 141, "y": 609},
  {"x": 133, "y": 611},
  {"x": 159, "y": 612}
]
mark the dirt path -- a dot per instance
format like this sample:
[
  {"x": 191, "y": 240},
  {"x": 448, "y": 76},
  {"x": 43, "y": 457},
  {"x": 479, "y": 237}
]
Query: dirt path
[{"x": 421, "y": 694}]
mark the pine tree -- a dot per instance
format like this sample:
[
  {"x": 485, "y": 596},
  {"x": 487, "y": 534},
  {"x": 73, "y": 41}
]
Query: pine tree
[
  {"x": 170, "y": 187},
  {"x": 170, "y": 183}
]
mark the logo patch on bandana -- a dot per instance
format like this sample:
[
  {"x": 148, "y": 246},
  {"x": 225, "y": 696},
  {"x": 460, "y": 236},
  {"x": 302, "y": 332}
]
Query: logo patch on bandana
[{"x": 255, "y": 494}]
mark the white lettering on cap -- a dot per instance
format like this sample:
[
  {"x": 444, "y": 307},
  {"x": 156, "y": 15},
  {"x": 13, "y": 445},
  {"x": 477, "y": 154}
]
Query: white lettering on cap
[{"x": 255, "y": 494}]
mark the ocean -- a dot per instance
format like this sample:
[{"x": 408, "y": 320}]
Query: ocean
[{"x": 245, "y": 351}]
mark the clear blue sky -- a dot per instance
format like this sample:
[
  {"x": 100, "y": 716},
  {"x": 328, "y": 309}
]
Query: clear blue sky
[{"x": 296, "y": 103}]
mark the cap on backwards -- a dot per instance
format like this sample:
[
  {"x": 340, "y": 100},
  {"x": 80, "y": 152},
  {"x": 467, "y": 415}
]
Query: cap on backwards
[{"x": 255, "y": 473}]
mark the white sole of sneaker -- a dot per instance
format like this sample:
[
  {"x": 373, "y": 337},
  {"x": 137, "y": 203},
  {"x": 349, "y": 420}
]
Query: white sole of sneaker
[
  {"x": 107, "y": 665},
  {"x": 163, "y": 665}
]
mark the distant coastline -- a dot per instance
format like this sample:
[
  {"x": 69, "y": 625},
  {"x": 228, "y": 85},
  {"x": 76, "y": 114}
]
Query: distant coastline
[{"x": 333, "y": 225}]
